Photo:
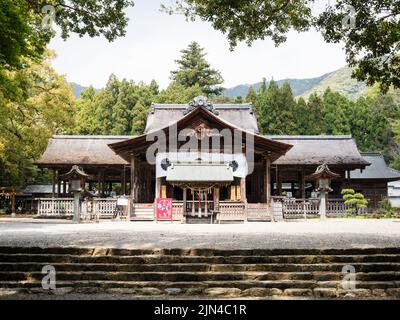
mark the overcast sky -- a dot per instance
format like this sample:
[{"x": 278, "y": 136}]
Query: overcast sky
[{"x": 154, "y": 39}]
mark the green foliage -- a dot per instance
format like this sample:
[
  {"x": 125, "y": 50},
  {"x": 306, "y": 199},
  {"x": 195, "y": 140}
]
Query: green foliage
[
  {"x": 139, "y": 116},
  {"x": 177, "y": 93},
  {"x": 42, "y": 105},
  {"x": 395, "y": 164},
  {"x": 25, "y": 35},
  {"x": 118, "y": 109},
  {"x": 370, "y": 120},
  {"x": 385, "y": 208},
  {"x": 193, "y": 69},
  {"x": 333, "y": 113},
  {"x": 221, "y": 99},
  {"x": 275, "y": 109},
  {"x": 244, "y": 20},
  {"x": 251, "y": 96},
  {"x": 355, "y": 200},
  {"x": 375, "y": 60}
]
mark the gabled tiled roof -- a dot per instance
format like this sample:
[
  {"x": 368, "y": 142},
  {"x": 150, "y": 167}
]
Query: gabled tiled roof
[
  {"x": 81, "y": 150},
  {"x": 240, "y": 115},
  {"x": 316, "y": 150},
  {"x": 377, "y": 170}
]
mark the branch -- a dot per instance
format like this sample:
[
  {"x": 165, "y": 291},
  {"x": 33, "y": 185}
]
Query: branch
[{"x": 78, "y": 10}]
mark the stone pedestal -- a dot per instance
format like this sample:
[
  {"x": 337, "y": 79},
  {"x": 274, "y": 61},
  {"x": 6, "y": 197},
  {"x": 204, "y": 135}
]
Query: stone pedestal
[{"x": 322, "y": 205}]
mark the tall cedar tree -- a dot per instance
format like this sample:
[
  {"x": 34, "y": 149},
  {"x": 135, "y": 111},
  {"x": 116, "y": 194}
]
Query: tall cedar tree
[
  {"x": 275, "y": 109},
  {"x": 193, "y": 69}
]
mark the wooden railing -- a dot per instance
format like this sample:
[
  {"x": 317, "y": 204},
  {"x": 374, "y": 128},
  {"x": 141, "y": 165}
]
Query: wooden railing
[
  {"x": 55, "y": 206},
  {"x": 104, "y": 207},
  {"x": 258, "y": 212},
  {"x": 177, "y": 210},
  {"x": 231, "y": 211},
  {"x": 298, "y": 208},
  {"x": 98, "y": 208},
  {"x": 337, "y": 207}
]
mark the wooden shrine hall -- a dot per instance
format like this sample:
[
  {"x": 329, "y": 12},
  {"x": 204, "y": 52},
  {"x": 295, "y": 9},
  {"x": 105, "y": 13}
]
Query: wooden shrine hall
[{"x": 209, "y": 159}]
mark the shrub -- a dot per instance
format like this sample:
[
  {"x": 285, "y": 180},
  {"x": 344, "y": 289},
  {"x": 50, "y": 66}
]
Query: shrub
[
  {"x": 356, "y": 201},
  {"x": 385, "y": 208}
]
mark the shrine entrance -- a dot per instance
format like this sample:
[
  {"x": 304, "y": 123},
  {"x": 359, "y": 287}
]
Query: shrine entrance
[
  {"x": 200, "y": 206},
  {"x": 200, "y": 202}
]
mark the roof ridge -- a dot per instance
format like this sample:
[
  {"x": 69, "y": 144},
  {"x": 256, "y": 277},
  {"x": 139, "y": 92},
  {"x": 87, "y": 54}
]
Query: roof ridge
[{"x": 364, "y": 153}]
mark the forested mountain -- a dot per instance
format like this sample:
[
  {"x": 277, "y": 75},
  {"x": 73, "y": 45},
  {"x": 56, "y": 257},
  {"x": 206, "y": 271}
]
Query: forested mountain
[
  {"x": 299, "y": 86},
  {"x": 77, "y": 89},
  {"x": 339, "y": 81}
]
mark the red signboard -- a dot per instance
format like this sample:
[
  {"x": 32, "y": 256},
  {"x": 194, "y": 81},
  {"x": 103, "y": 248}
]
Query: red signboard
[{"x": 164, "y": 209}]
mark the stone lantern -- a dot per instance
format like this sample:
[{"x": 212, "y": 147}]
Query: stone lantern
[
  {"x": 76, "y": 178},
  {"x": 323, "y": 176}
]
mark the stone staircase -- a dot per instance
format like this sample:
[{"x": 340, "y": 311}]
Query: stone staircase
[{"x": 204, "y": 272}]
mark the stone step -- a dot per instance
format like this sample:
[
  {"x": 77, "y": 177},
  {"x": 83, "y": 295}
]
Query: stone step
[
  {"x": 198, "y": 267},
  {"x": 159, "y": 259},
  {"x": 225, "y": 292},
  {"x": 197, "y": 252},
  {"x": 197, "y": 276},
  {"x": 199, "y": 286}
]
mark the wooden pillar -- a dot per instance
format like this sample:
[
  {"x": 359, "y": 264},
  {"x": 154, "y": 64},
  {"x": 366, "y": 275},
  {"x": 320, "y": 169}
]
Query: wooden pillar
[
  {"x": 184, "y": 201},
  {"x": 54, "y": 184},
  {"x": 216, "y": 199},
  {"x": 243, "y": 197},
  {"x": 13, "y": 203},
  {"x": 102, "y": 183},
  {"x": 133, "y": 184},
  {"x": 267, "y": 180},
  {"x": 278, "y": 181},
  {"x": 193, "y": 203},
  {"x": 123, "y": 182},
  {"x": 99, "y": 184},
  {"x": 58, "y": 185},
  {"x": 158, "y": 188},
  {"x": 148, "y": 190},
  {"x": 302, "y": 184},
  {"x": 65, "y": 187},
  {"x": 109, "y": 188},
  {"x": 205, "y": 204}
]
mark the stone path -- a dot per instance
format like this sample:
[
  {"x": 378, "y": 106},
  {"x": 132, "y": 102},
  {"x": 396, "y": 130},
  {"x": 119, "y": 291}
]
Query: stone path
[{"x": 334, "y": 233}]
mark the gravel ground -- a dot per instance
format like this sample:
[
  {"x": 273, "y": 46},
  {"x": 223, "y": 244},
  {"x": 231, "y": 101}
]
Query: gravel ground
[{"x": 333, "y": 233}]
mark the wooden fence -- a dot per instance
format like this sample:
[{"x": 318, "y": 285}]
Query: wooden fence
[
  {"x": 231, "y": 211},
  {"x": 259, "y": 212},
  {"x": 298, "y": 208},
  {"x": 103, "y": 208},
  {"x": 63, "y": 207},
  {"x": 55, "y": 207},
  {"x": 293, "y": 209}
]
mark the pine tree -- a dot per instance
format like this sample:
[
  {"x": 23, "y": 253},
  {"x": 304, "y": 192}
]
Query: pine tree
[
  {"x": 139, "y": 116},
  {"x": 275, "y": 108},
  {"x": 251, "y": 95},
  {"x": 239, "y": 99},
  {"x": 193, "y": 69},
  {"x": 177, "y": 93},
  {"x": 302, "y": 118},
  {"x": 263, "y": 87},
  {"x": 333, "y": 113},
  {"x": 154, "y": 88},
  {"x": 315, "y": 119}
]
